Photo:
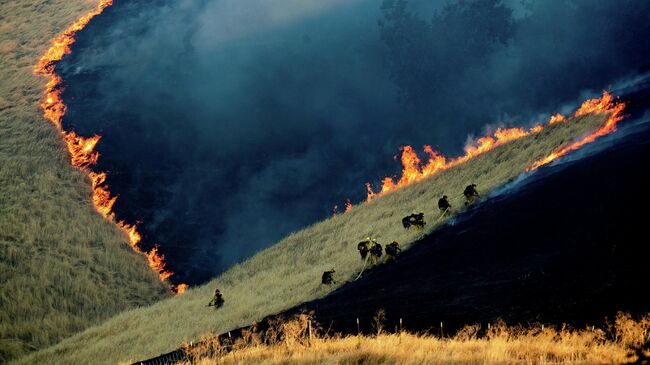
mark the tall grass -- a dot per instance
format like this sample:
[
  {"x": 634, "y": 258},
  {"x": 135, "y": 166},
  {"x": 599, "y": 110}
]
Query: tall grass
[
  {"x": 62, "y": 266},
  {"x": 293, "y": 342},
  {"x": 289, "y": 272}
]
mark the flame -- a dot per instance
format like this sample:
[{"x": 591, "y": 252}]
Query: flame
[
  {"x": 557, "y": 118},
  {"x": 82, "y": 149},
  {"x": 181, "y": 288},
  {"x": 348, "y": 206},
  {"x": 605, "y": 104},
  {"x": 413, "y": 170}
]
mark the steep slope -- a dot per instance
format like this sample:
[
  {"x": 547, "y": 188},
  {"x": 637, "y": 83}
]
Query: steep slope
[
  {"x": 288, "y": 273},
  {"x": 62, "y": 266},
  {"x": 558, "y": 246},
  {"x": 562, "y": 246}
]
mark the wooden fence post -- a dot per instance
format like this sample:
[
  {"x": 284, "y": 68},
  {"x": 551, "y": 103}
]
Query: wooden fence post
[{"x": 309, "y": 328}]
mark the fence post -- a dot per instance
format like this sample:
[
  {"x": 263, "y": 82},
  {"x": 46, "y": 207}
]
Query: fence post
[
  {"x": 441, "y": 332},
  {"x": 358, "y": 327},
  {"x": 309, "y": 328}
]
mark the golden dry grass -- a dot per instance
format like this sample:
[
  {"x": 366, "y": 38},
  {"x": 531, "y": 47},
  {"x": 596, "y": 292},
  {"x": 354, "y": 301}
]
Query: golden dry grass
[
  {"x": 62, "y": 266},
  {"x": 289, "y": 272},
  {"x": 471, "y": 345}
]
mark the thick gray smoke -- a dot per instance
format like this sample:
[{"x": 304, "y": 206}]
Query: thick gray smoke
[{"x": 229, "y": 123}]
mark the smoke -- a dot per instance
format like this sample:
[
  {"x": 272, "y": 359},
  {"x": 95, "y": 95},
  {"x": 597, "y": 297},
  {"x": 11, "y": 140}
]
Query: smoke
[{"x": 227, "y": 124}]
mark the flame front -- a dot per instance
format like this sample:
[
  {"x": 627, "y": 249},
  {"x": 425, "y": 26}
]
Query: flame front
[
  {"x": 82, "y": 149},
  {"x": 413, "y": 170},
  {"x": 606, "y": 105}
]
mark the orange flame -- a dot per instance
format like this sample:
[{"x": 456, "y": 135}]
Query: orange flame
[
  {"x": 348, "y": 206},
  {"x": 557, "y": 118},
  {"x": 181, "y": 288},
  {"x": 413, "y": 170},
  {"x": 605, "y": 104},
  {"x": 82, "y": 149}
]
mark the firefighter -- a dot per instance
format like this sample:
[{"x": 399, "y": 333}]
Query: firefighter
[
  {"x": 217, "y": 301},
  {"x": 375, "y": 253},
  {"x": 392, "y": 251},
  {"x": 328, "y": 277},
  {"x": 365, "y": 246},
  {"x": 471, "y": 194},
  {"x": 370, "y": 250},
  {"x": 444, "y": 205},
  {"x": 415, "y": 219}
]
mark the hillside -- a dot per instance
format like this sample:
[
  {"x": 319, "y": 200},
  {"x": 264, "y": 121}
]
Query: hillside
[
  {"x": 62, "y": 266},
  {"x": 557, "y": 246},
  {"x": 289, "y": 272}
]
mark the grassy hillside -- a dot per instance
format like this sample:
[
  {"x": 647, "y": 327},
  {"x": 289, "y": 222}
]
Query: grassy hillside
[
  {"x": 289, "y": 273},
  {"x": 62, "y": 266}
]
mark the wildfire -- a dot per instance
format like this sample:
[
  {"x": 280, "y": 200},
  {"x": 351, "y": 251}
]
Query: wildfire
[
  {"x": 413, "y": 170},
  {"x": 605, "y": 104},
  {"x": 82, "y": 149}
]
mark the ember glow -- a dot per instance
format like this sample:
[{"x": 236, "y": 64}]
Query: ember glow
[
  {"x": 82, "y": 149},
  {"x": 414, "y": 170},
  {"x": 348, "y": 206}
]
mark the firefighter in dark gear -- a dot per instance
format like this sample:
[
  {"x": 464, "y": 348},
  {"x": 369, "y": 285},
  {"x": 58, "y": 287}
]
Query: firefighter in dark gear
[
  {"x": 415, "y": 219},
  {"x": 328, "y": 277},
  {"x": 365, "y": 246},
  {"x": 370, "y": 249},
  {"x": 392, "y": 251},
  {"x": 217, "y": 301},
  {"x": 444, "y": 206},
  {"x": 471, "y": 194},
  {"x": 375, "y": 253}
]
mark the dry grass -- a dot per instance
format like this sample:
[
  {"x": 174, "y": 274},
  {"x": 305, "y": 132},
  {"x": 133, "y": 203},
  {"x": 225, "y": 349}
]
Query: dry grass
[
  {"x": 292, "y": 344},
  {"x": 62, "y": 266},
  {"x": 289, "y": 272}
]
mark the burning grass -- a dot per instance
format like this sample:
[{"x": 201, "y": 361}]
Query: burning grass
[
  {"x": 82, "y": 149},
  {"x": 63, "y": 267},
  {"x": 292, "y": 343},
  {"x": 413, "y": 170},
  {"x": 289, "y": 272}
]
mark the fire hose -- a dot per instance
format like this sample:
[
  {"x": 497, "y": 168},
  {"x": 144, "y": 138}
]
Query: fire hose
[{"x": 365, "y": 263}]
